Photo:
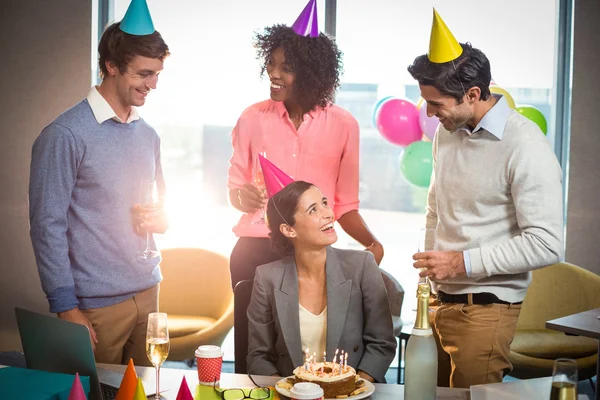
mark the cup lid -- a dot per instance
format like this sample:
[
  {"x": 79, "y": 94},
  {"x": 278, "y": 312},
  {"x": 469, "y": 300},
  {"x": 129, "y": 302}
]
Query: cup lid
[
  {"x": 209, "y": 351},
  {"x": 306, "y": 390}
]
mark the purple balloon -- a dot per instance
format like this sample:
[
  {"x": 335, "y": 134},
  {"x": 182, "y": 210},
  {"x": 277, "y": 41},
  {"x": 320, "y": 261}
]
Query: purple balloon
[
  {"x": 428, "y": 124},
  {"x": 398, "y": 121}
]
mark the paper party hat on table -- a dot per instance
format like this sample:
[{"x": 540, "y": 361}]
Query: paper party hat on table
[
  {"x": 77, "y": 392},
  {"x": 140, "y": 394},
  {"x": 128, "y": 384},
  {"x": 275, "y": 179},
  {"x": 137, "y": 19},
  {"x": 184, "y": 391},
  {"x": 443, "y": 47},
  {"x": 307, "y": 23}
]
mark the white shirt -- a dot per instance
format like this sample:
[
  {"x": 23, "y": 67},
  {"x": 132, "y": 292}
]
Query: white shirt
[
  {"x": 103, "y": 111},
  {"x": 313, "y": 332}
]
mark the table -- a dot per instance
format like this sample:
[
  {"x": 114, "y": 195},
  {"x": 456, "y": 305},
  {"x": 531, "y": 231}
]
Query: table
[
  {"x": 586, "y": 324},
  {"x": 171, "y": 379}
]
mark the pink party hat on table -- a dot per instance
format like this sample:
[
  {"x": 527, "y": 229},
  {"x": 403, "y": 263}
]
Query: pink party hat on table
[
  {"x": 140, "y": 394},
  {"x": 77, "y": 392},
  {"x": 275, "y": 179},
  {"x": 307, "y": 23},
  {"x": 184, "y": 391}
]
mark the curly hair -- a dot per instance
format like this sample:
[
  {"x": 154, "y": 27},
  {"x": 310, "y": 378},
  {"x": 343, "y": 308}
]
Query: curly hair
[
  {"x": 315, "y": 61},
  {"x": 281, "y": 209},
  {"x": 120, "y": 48},
  {"x": 471, "y": 69}
]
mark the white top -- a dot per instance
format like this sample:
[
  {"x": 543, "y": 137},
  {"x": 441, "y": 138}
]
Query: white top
[
  {"x": 496, "y": 192},
  {"x": 103, "y": 111},
  {"x": 313, "y": 331}
]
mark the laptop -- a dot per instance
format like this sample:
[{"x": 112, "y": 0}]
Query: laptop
[{"x": 55, "y": 345}]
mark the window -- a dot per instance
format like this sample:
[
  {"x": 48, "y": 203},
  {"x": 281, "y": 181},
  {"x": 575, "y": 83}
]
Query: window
[{"x": 213, "y": 75}]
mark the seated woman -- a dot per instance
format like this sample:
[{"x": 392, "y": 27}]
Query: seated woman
[{"x": 317, "y": 297}]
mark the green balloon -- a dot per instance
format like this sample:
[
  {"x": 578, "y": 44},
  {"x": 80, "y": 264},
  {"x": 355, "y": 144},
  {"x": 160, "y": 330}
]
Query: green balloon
[
  {"x": 535, "y": 115},
  {"x": 416, "y": 163}
]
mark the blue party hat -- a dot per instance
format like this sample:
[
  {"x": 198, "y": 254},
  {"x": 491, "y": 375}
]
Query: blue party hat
[
  {"x": 307, "y": 24},
  {"x": 137, "y": 19}
]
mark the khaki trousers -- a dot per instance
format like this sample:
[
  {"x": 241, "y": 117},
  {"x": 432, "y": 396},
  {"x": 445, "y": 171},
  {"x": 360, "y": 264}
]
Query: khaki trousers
[
  {"x": 121, "y": 328},
  {"x": 473, "y": 341}
]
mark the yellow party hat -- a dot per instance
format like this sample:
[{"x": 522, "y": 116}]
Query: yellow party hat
[
  {"x": 443, "y": 47},
  {"x": 140, "y": 394}
]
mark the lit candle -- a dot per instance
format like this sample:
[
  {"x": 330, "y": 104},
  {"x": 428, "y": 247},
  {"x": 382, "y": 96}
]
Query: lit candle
[
  {"x": 341, "y": 362},
  {"x": 324, "y": 356},
  {"x": 346, "y": 361},
  {"x": 335, "y": 356}
]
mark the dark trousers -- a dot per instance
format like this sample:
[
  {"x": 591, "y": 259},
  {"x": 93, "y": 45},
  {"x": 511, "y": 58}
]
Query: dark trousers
[{"x": 249, "y": 253}]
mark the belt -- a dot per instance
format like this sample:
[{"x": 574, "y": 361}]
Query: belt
[{"x": 478, "y": 298}]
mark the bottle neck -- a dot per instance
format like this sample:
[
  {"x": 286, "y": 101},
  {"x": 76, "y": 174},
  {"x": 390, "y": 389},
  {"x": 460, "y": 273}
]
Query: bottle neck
[{"x": 422, "y": 321}]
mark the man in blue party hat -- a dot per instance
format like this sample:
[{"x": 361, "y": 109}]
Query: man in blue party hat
[{"x": 88, "y": 228}]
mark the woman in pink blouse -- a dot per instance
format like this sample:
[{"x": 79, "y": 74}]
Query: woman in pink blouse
[{"x": 300, "y": 130}]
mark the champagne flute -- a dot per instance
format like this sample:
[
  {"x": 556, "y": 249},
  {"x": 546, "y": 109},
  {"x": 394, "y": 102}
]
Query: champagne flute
[
  {"x": 259, "y": 181},
  {"x": 149, "y": 203},
  {"x": 423, "y": 235},
  {"x": 157, "y": 343},
  {"x": 564, "y": 379}
]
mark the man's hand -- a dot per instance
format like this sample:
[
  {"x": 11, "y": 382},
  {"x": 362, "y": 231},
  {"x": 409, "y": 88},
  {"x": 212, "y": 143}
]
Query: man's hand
[
  {"x": 366, "y": 376},
  {"x": 149, "y": 220},
  {"x": 75, "y": 315},
  {"x": 440, "y": 265},
  {"x": 251, "y": 198},
  {"x": 377, "y": 249}
]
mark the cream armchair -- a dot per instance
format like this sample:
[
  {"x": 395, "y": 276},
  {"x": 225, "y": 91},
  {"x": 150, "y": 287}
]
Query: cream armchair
[
  {"x": 196, "y": 294},
  {"x": 556, "y": 291}
]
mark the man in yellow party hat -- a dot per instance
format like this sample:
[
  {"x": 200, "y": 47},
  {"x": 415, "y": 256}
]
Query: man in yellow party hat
[
  {"x": 88, "y": 228},
  {"x": 494, "y": 211}
]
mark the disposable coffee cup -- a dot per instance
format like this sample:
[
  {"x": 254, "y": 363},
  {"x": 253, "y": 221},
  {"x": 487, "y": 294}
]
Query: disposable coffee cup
[
  {"x": 209, "y": 360},
  {"x": 307, "y": 391}
]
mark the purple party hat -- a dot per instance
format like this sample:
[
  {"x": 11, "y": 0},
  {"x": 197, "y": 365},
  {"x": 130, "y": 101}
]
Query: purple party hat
[{"x": 307, "y": 23}]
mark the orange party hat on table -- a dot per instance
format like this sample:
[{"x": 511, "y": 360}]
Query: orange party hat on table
[{"x": 128, "y": 384}]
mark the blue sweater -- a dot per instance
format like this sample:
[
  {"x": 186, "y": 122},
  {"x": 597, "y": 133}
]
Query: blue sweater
[{"x": 85, "y": 177}]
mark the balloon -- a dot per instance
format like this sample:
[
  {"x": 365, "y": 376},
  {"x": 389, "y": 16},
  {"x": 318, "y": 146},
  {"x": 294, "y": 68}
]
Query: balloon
[
  {"x": 398, "y": 121},
  {"x": 376, "y": 107},
  {"x": 535, "y": 115},
  {"x": 416, "y": 163},
  {"x": 428, "y": 124},
  {"x": 507, "y": 96}
]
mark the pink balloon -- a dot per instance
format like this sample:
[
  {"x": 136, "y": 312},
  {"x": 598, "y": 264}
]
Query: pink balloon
[
  {"x": 428, "y": 124},
  {"x": 398, "y": 121}
]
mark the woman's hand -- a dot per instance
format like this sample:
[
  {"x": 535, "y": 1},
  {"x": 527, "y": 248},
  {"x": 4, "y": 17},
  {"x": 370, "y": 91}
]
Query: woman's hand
[
  {"x": 366, "y": 376},
  {"x": 377, "y": 249},
  {"x": 248, "y": 198}
]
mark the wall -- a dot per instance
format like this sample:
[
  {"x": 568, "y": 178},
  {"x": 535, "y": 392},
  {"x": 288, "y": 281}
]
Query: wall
[
  {"x": 45, "y": 69},
  {"x": 583, "y": 212}
]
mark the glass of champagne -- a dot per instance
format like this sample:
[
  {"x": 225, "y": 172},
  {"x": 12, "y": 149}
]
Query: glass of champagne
[
  {"x": 564, "y": 379},
  {"x": 423, "y": 234},
  {"x": 259, "y": 180},
  {"x": 157, "y": 343},
  {"x": 149, "y": 203}
]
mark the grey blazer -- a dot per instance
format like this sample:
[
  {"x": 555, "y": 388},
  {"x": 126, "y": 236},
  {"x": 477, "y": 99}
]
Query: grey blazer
[{"x": 358, "y": 315}]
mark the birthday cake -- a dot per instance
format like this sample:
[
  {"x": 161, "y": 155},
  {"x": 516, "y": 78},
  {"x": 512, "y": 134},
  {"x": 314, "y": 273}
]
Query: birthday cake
[{"x": 336, "y": 379}]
